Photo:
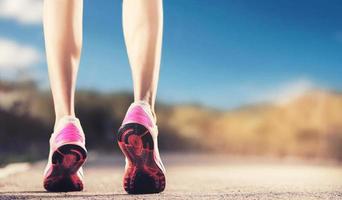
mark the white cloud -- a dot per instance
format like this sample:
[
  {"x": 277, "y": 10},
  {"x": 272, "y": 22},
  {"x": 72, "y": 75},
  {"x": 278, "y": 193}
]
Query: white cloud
[
  {"x": 286, "y": 92},
  {"x": 23, "y": 11},
  {"x": 15, "y": 56}
]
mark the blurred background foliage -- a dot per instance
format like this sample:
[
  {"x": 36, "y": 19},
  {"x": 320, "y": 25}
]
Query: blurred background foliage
[
  {"x": 232, "y": 56},
  {"x": 308, "y": 127}
]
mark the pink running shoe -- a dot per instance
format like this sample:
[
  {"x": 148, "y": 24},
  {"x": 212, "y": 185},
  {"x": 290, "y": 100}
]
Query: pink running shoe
[
  {"x": 63, "y": 171},
  {"x": 137, "y": 138}
]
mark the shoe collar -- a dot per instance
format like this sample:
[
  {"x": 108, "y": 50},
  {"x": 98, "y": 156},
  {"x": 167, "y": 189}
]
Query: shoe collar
[{"x": 146, "y": 107}]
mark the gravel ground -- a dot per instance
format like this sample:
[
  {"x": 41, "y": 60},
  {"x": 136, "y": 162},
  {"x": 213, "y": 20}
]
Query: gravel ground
[{"x": 192, "y": 176}]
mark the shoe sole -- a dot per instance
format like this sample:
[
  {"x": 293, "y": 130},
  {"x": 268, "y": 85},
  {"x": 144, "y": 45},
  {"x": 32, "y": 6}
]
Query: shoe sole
[
  {"x": 142, "y": 176},
  {"x": 66, "y": 161}
]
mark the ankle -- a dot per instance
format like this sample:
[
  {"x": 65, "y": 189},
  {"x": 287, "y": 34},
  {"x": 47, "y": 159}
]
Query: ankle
[{"x": 59, "y": 115}]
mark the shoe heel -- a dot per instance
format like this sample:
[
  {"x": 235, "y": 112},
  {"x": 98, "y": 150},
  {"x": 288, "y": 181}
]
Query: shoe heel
[
  {"x": 66, "y": 161},
  {"x": 143, "y": 175}
]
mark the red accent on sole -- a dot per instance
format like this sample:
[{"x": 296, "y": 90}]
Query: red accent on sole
[
  {"x": 143, "y": 176},
  {"x": 66, "y": 161}
]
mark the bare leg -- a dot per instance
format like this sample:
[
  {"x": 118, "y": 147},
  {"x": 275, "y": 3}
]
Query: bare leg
[
  {"x": 143, "y": 28},
  {"x": 63, "y": 42}
]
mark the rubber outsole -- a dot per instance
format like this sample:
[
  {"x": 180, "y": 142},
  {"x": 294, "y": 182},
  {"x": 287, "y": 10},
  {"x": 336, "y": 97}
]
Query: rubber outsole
[
  {"x": 66, "y": 161},
  {"x": 142, "y": 176}
]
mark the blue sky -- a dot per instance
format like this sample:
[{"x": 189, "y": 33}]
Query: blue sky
[{"x": 221, "y": 53}]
